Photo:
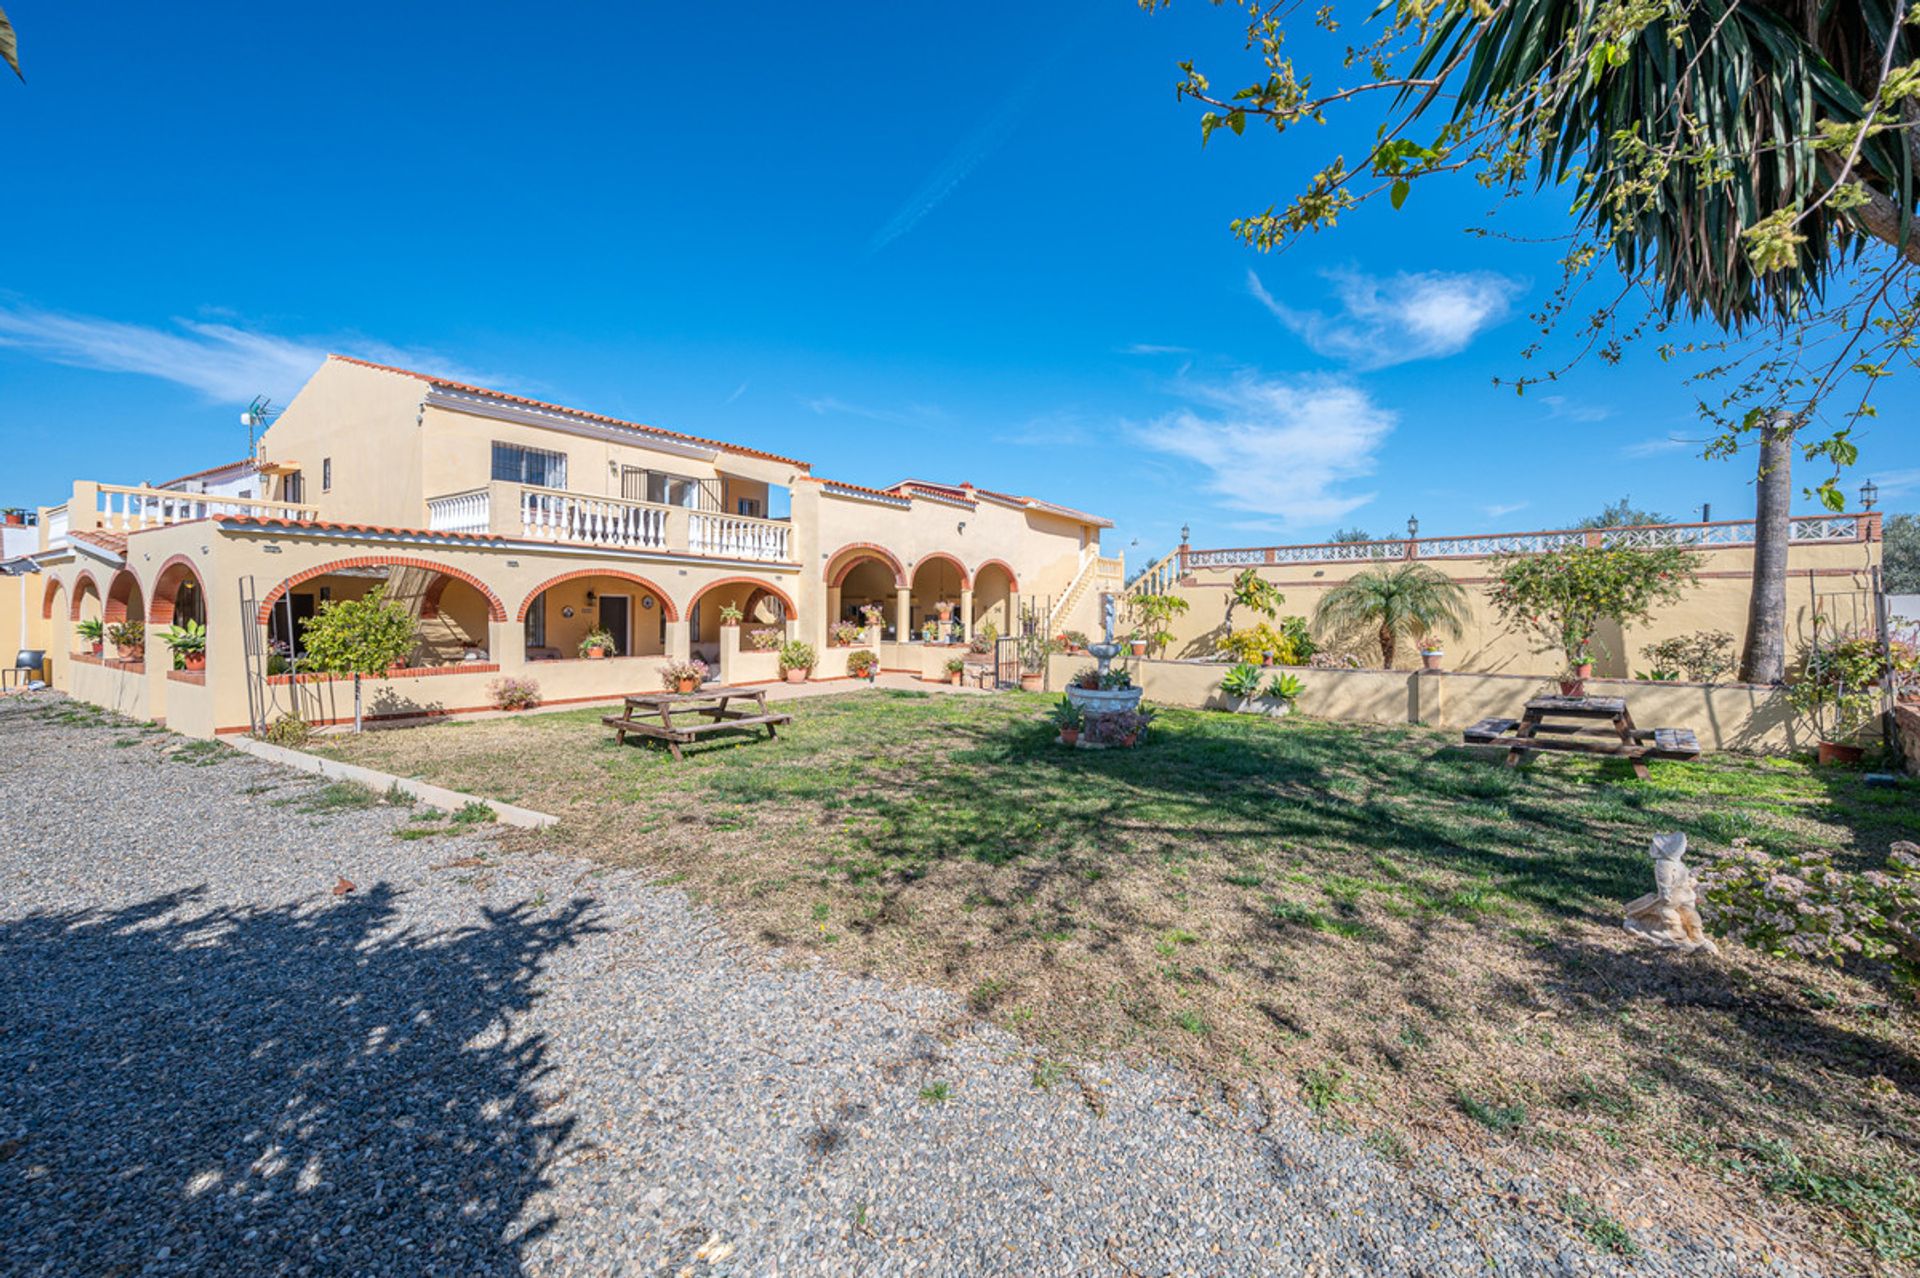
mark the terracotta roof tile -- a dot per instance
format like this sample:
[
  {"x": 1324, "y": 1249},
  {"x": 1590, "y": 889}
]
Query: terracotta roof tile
[
  {"x": 471, "y": 389},
  {"x": 112, "y": 542}
]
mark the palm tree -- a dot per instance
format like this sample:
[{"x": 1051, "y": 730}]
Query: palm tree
[
  {"x": 9, "y": 45},
  {"x": 1402, "y": 602}
]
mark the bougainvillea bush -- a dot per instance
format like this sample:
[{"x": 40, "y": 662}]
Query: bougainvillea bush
[
  {"x": 1559, "y": 599},
  {"x": 1803, "y": 906}
]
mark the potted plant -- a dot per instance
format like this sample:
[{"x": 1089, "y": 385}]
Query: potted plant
[
  {"x": 863, "y": 663},
  {"x": 1431, "y": 656},
  {"x": 1840, "y": 689},
  {"x": 731, "y": 615},
  {"x": 1240, "y": 686},
  {"x": 985, "y": 636},
  {"x": 956, "y": 667},
  {"x": 871, "y": 615},
  {"x": 1137, "y": 645},
  {"x": 1122, "y": 728},
  {"x": 94, "y": 631},
  {"x": 597, "y": 644},
  {"x": 1074, "y": 641},
  {"x": 1034, "y": 652},
  {"x": 1281, "y": 692},
  {"x": 1067, "y": 717},
  {"x": 684, "y": 676},
  {"x": 764, "y": 638},
  {"x": 944, "y": 611},
  {"x": 846, "y": 634},
  {"x": 188, "y": 642},
  {"x": 797, "y": 660},
  {"x": 129, "y": 639}
]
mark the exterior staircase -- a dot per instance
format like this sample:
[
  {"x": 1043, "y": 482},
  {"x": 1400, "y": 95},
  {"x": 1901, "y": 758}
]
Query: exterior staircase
[{"x": 1159, "y": 579}]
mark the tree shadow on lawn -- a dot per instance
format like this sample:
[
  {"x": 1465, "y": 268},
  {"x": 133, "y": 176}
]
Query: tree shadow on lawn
[{"x": 274, "y": 1089}]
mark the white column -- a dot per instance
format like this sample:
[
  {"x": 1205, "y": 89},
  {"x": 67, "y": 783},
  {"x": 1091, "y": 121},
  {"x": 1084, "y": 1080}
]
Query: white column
[
  {"x": 903, "y": 614},
  {"x": 966, "y": 614}
]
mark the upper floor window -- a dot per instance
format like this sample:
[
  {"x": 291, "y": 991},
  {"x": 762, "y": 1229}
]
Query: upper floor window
[
  {"x": 535, "y": 466},
  {"x": 293, "y": 487},
  {"x": 749, "y": 506},
  {"x": 326, "y": 474}
]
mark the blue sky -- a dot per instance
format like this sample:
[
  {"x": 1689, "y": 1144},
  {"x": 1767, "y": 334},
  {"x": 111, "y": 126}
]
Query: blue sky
[{"x": 977, "y": 244}]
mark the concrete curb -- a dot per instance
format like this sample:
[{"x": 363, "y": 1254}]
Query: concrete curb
[{"x": 431, "y": 795}]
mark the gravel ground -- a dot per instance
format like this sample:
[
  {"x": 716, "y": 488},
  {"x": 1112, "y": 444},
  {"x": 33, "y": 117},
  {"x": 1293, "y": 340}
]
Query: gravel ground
[{"x": 213, "y": 1061}]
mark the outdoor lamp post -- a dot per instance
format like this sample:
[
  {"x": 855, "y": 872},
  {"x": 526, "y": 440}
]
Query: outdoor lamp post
[
  {"x": 1185, "y": 534},
  {"x": 1869, "y": 495},
  {"x": 1413, "y": 525}
]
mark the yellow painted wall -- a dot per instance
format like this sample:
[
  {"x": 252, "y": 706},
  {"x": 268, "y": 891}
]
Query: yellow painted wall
[
  {"x": 21, "y": 625},
  {"x": 366, "y": 420},
  {"x": 1840, "y": 590}
]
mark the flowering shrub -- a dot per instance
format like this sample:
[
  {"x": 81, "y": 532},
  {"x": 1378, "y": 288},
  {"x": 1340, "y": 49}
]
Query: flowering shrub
[
  {"x": 1559, "y": 599},
  {"x": 1839, "y": 687},
  {"x": 288, "y": 730},
  {"x": 674, "y": 671},
  {"x": 1287, "y": 645},
  {"x": 1701, "y": 657},
  {"x": 514, "y": 694},
  {"x": 872, "y": 614},
  {"x": 861, "y": 662},
  {"x": 1804, "y": 907},
  {"x": 765, "y": 638},
  {"x": 846, "y": 634},
  {"x": 1123, "y": 727}
]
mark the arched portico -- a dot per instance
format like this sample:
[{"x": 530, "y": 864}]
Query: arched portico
[
  {"x": 995, "y": 598},
  {"x": 454, "y": 631},
  {"x": 762, "y": 603},
  {"x": 561, "y": 611},
  {"x": 938, "y": 579}
]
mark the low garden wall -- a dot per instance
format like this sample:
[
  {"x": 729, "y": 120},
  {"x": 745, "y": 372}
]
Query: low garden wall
[
  {"x": 189, "y": 704},
  {"x": 1725, "y": 716},
  {"x": 108, "y": 684}
]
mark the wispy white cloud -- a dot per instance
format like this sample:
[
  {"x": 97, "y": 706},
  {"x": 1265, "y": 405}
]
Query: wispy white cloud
[
  {"x": 1065, "y": 428},
  {"x": 1286, "y": 449},
  {"x": 222, "y": 361},
  {"x": 910, "y": 415},
  {"x": 991, "y": 134},
  {"x": 1653, "y": 447},
  {"x": 738, "y": 391},
  {"x": 1506, "y": 508},
  {"x": 1897, "y": 483},
  {"x": 1560, "y": 408},
  {"x": 1151, "y": 348},
  {"x": 1409, "y": 316}
]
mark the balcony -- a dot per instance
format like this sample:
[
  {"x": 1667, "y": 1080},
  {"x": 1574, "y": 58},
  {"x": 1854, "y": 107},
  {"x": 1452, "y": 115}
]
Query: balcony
[
  {"x": 119, "y": 508},
  {"x": 530, "y": 513}
]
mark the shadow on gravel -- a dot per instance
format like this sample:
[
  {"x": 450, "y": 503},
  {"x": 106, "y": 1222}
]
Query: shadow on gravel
[{"x": 279, "y": 1090}]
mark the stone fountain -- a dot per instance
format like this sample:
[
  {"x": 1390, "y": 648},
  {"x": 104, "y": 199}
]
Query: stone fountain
[{"x": 1094, "y": 702}]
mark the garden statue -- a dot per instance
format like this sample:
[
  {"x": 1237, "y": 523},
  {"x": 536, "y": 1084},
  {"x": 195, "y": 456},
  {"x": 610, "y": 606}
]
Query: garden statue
[
  {"x": 1666, "y": 916},
  {"x": 1106, "y": 650}
]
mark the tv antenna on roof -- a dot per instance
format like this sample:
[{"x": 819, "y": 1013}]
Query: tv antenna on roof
[{"x": 258, "y": 414}]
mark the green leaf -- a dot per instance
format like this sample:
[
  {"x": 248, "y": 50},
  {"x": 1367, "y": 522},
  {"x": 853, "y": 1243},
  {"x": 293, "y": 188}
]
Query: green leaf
[{"x": 1398, "y": 194}]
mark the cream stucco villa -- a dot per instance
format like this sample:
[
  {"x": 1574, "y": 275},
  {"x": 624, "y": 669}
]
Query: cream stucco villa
[{"x": 512, "y": 527}]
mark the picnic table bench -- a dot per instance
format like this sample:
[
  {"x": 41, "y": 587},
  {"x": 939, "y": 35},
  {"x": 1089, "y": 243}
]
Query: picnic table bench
[
  {"x": 651, "y": 715},
  {"x": 1620, "y": 739}
]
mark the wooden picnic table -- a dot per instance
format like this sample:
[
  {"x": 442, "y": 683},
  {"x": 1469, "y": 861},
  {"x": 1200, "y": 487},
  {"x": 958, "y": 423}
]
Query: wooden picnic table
[
  {"x": 712, "y": 703},
  {"x": 1534, "y": 730}
]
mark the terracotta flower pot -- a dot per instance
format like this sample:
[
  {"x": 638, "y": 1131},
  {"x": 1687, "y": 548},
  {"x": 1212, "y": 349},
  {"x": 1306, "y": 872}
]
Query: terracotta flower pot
[
  {"x": 796, "y": 676},
  {"x": 1069, "y": 736},
  {"x": 1572, "y": 687},
  {"x": 1832, "y": 752},
  {"x": 1138, "y": 647},
  {"x": 1030, "y": 682},
  {"x": 1129, "y": 739},
  {"x": 943, "y": 611},
  {"x": 99, "y": 646},
  {"x": 1431, "y": 660},
  {"x": 596, "y": 654},
  {"x": 1584, "y": 670},
  {"x": 689, "y": 684},
  {"x": 954, "y": 679},
  {"x": 196, "y": 661}
]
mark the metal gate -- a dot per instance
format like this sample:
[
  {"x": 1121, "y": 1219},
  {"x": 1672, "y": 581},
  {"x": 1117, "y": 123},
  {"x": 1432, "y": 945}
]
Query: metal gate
[{"x": 1006, "y": 662}]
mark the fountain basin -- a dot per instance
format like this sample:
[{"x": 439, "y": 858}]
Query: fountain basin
[{"x": 1098, "y": 701}]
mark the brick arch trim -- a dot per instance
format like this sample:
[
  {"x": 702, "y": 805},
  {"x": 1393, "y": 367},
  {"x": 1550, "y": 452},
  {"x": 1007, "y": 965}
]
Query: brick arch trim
[
  {"x": 793, "y": 609},
  {"x": 54, "y": 587},
  {"x": 495, "y": 609},
  {"x": 85, "y": 578},
  {"x": 666, "y": 600},
  {"x": 114, "y": 609},
  {"x": 166, "y": 583},
  {"x": 865, "y": 550},
  {"x": 1013, "y": 578},
  {"x": 966, "y": 578}
]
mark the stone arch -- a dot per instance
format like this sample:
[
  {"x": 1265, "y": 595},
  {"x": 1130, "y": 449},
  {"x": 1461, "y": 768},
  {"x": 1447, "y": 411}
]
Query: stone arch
[
  {"x": 858, "y": 552},
  {"x": 666, "y": 600},
  {"x": 966, "y": 578},
  {"x": 54, "y": 587},
  {"x": 83, "y": 584},
  {"x": 793, "y": 609},
  {"x": 166, "y": 586},
  {"x": 495, "y": 609},
  {"x": 1013, "y": 578},
  {"x": 120, "y": 592}
]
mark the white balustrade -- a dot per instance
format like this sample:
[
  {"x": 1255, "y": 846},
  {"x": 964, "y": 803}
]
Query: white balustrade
[
  {"x": 737, "y": 537},
  {"x": 1735, "y": 532},
  {"x": 470, "y": 512},
  {"x": 125, "y": 509},
  {"x": 548, "y": 514}
]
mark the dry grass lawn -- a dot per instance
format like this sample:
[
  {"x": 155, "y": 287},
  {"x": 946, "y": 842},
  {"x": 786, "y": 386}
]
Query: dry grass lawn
[{"x": 1395, "y": 932}]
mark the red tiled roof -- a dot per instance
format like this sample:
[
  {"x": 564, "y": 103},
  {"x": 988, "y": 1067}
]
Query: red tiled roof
[
  {"x": 211, "y": 470},
  {"x": 112, "y": 542},
  {"x": 323, "y": 525},
  {"x": 572, "y": 412}
]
